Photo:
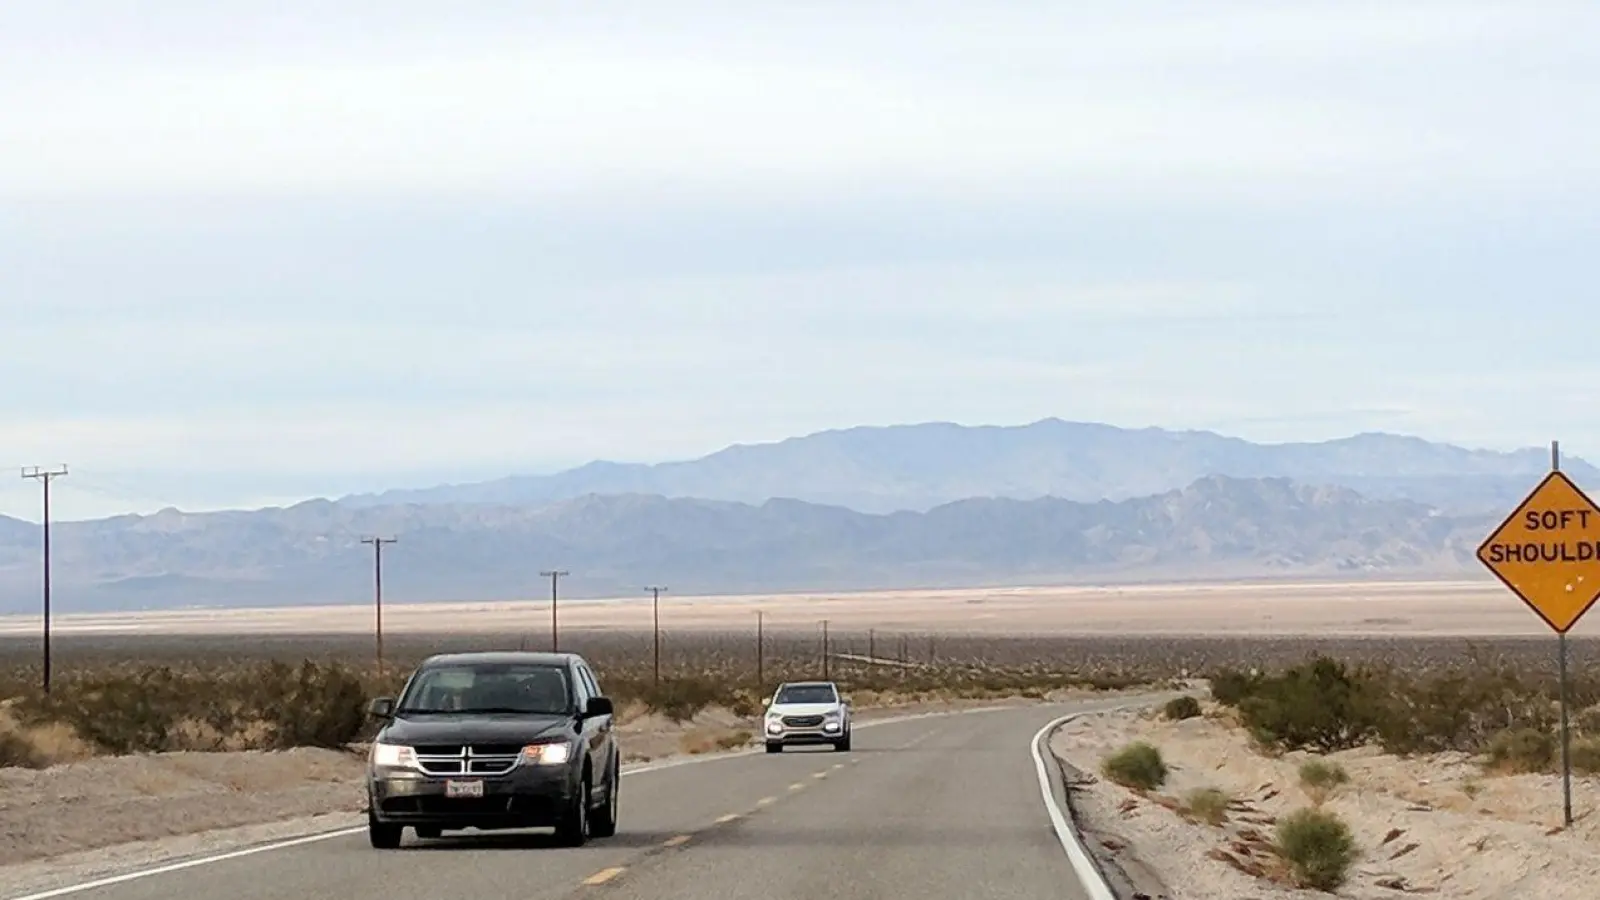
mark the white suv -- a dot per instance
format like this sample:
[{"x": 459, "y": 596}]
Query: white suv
[{"x": 807, "y": 712}]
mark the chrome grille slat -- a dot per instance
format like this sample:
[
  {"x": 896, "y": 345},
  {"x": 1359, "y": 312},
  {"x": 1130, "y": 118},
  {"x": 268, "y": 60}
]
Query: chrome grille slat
[{"x": 464, "y": 761}]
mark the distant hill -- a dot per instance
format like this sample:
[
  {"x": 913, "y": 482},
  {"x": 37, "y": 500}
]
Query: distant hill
[
  {"x": 918, "y": 467},
  {"x": 309, "y": 553}
]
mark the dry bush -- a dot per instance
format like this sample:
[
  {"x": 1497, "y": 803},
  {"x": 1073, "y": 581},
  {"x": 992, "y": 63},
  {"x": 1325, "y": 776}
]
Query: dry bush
[
  {"x": 1208, "y": 805},
  {"x": 1319, "y": 778},
  {"x": 1318, "y": 847},
  {"x": 1523, "y": 750},
  {"x": 1137, "y": 766},
  {"x": 134, "y": 695},
  {"x": 143, "y": 693},
  {"x": 1179, "y": 708},
  {"x": 1325, "y": 705}
]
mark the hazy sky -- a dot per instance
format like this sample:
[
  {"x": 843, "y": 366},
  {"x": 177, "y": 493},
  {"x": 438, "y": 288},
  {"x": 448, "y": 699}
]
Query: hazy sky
[{"x": 252, "y": 252}]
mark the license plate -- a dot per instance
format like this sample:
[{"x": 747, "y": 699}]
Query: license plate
[{"x": 463, "y": 789}]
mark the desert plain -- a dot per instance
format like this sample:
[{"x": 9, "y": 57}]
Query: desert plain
[{"x": 1477, "y": 607}]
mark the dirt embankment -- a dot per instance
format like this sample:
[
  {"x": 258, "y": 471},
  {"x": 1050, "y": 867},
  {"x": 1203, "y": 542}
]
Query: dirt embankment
[{"x": 1439, "y": 826}]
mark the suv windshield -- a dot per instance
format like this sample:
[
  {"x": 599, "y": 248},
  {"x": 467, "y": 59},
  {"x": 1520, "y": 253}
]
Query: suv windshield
[
  {"x": 483, "y": 688},
  {"x": 806, "y": 693}
]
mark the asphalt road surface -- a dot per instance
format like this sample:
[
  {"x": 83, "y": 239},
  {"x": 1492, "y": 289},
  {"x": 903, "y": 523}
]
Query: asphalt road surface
[{"x": 925, "y": 809}]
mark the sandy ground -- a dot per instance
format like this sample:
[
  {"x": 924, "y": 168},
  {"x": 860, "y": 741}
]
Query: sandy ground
[
  {"x": 1465, "y": 607},
  {"x": 85, "y": 819},
  {"x": 1436, "y": 826}
]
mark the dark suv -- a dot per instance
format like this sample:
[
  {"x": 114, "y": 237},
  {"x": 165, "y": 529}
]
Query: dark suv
[{"x": 495, "y": 740}]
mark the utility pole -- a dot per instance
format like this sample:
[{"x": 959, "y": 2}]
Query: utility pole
[
  {"x": 44, "y": 477},
  {"x": 824, "y": 649},
  {"x": 655, "y": 609},
  {"x": 377, "y": 591},
  {"x": 872, "y": 644},
  {"x": 761, "y": 645},
  {"x": 554, "y": 575}
]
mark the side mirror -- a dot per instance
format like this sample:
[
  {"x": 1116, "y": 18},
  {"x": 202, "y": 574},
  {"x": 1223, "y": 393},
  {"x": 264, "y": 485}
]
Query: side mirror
[
  {"x": 598, "y": 706},
  {"x": 381, "y": 708}
]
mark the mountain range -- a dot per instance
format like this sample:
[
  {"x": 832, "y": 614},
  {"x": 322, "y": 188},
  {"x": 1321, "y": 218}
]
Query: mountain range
[
  {"x": 918, "y": 467},
  {"x": 920, "y": 505}
]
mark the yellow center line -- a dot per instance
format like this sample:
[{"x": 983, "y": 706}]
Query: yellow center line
[
  {"x": 727, "y": 818},
  {"x": 766, "y": 801},
  {"x": 678, "y": 841},
  {"x": 838, "y": 765},
  {"x": 819, "y": 775},
  {"x": 604, "y": 875},
  {"x": 797, "y": 786}
]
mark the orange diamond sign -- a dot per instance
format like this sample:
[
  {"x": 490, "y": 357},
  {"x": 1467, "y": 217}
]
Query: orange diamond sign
[{"x": 1548, "y": 552}]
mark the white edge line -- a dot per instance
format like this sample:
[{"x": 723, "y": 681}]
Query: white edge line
[
  {"x": 187, "y": 864},
  {"x": 1089, "y": 875},
  {"x": 345, "y": 832}
]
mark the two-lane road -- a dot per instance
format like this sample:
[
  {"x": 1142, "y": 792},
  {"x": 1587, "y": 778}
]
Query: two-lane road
[{"x": 938, "y": 807}]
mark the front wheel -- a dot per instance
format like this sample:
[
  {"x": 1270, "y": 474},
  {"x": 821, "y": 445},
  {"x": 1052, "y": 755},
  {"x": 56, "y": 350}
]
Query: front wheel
[
  {"x": 604, "y": 824},
  {"x": 843, "y": 744},
  {"x": 574, "y": 828},
  {"x": 774, "y": 747},
  {"x": 382, "y": 835}
]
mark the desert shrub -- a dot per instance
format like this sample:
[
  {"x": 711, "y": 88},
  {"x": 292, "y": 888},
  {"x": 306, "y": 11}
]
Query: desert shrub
[
  {"x": 1586, "y": 755},
  {"x": 1321, "y": 777},
  {"x": 1230, "y": 687},
  {"x": 158, "y": 708},
  {"x": 1318, "y": 847},
  {"x": 1138, "y": 766},
  {"x": 681, "y": 698},
  {"x": 1459, "y": 710},
  {"x": 1181, "y": 708},
  {"x": 314, "y": 706},
  {"x": 1523, "y": 750},
  {"x": 1208, "y": 804},
  {"x": 1321, "y": 705},
  {"x": 16, "y": 751}
]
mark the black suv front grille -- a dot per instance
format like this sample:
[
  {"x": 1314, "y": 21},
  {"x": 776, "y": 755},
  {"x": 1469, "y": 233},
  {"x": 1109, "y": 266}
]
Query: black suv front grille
[
  {"x": 477, "y": 759},
  {"x": 802, "y": 721}
]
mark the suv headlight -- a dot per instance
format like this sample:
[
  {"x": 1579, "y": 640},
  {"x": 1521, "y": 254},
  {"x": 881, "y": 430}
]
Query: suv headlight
[
  {"x": 550, "y": 754},
  {"x": 392, "y": 756}
]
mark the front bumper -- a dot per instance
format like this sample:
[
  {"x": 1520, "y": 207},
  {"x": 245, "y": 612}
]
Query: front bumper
[
  {"x": 789, "y": 735},
  {"x": 528, "y": 796}
]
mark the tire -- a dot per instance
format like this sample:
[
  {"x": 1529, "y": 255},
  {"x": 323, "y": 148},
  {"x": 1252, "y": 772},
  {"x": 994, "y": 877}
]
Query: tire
[
  {"x": 604, "y": 823},
  {"x": 574, "y": 828},
  {"x": 382, "y": 835},
  {"x": 774, "y": 748},
  {"x": 843, "y": 744},
  {"x": 428, "y": 832}
]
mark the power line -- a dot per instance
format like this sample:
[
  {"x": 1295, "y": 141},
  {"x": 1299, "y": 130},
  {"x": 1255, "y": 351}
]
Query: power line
[
  {"x": 44, "y": 477},
  {"x": 655, "y": 608},
  {"x": 377, "y": 590},
  {"x": 554, "y": 575}
]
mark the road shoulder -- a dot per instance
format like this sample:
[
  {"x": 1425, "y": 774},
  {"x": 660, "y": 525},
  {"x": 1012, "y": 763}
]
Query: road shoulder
[{"x": 1427, "y": 824}]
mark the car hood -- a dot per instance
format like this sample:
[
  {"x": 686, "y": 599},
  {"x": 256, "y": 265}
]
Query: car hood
[
  {"x": 802, "y": 709},
  {"x": 473, "y": 729}
]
